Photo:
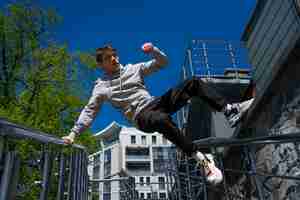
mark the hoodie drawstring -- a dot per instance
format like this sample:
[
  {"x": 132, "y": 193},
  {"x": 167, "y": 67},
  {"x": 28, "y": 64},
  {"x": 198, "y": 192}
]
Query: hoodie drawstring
[{"x": 120, "y": 78}]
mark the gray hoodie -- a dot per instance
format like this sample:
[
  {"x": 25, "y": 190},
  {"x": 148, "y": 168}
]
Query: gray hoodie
[{"x": 125, "y": 90}]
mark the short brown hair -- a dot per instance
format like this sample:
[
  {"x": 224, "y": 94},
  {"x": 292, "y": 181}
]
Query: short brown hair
[{"x": 101, "y": 50}]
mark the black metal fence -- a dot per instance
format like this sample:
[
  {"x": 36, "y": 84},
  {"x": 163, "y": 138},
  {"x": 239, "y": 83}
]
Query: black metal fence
[
  {"x": 126, "y": 189},
  {"x": 52, "y": 171},
  {"x": 59, "y": 171},
  {"x": 243, "y": 177}
]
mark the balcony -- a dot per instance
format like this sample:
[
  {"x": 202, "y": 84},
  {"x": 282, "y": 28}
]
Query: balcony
[
  {"x": 137, "y": 153},
  {"x": 138, "y": 167}
]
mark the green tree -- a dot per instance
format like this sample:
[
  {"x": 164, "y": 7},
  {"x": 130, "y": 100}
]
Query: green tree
[{"x": 39, "y": 78}]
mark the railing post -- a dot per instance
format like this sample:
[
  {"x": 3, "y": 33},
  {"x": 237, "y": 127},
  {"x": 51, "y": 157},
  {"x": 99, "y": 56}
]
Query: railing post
[
  {"x": 79, "y": 177},
  {"x": 223, "y": 172},
  {"x": 189, "y": 191},
  {"x": 204, "y": 184},
  {"x": 258, "y": 185},
  {"x": 177, "y": 175},
  {"x": 167, "y": 174},
  {"x": 71, "y": 177},
  {"x": 2, "y": 143},
  {"x": 75, "y": 185},
  {"x": 46, "y": 175},
  {"x": 10, "y": 176},
  {"x": 61, "y": 188},
  {"x": 86, "y": 178}
]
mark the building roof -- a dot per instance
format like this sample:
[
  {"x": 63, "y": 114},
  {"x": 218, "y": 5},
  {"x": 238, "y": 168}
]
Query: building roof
[{"x": 112, "y": 129}]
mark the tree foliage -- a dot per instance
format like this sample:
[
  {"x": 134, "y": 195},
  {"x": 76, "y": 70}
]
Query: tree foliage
[{"x": 38, "y": 77}]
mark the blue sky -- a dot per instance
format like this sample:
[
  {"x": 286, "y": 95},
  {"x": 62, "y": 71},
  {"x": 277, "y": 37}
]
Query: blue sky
[{"x": 128, "y": 24}]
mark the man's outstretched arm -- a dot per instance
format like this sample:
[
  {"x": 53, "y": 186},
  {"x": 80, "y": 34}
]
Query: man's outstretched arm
[
  {"x": 86, "y": 116},
  {"x": 159, "y": 59}
]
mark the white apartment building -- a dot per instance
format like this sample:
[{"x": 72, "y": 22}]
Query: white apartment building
[{"x": 126, "y": 151}]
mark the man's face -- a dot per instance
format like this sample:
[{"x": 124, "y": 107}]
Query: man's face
[{"x": 110, "y": 62}]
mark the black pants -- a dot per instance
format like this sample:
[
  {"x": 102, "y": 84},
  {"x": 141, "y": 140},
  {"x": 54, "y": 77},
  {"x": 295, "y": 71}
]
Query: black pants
[{"x": 156, "y": 117}]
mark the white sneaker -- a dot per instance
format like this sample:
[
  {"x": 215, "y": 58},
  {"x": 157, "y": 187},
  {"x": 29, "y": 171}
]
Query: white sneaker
[
  {"x": 235, "y": 111},
  {"x": 213, "y": 175}
]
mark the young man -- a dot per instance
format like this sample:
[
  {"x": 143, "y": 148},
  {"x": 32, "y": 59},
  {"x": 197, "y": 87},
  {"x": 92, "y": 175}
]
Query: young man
[{"x": 124, "y": 88}]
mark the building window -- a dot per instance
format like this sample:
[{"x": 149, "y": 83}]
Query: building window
[
  {"x": 148, "y": 180},
  {"x": 96, "y": 172},
  {"x": 142, "y": 195},
  {"x": 298, "y": 119},
  {"x": 148, "y": 195},
  {"x": 144, "y": 140},
  {"x": 159, "y": 161},
  {"x": 133, "y": 139},
  {"x": 106, "y": 191},
  {"x": 97, "y": 159},
  {"x": 155, "y": 195},
  {"x": 161, "y": 183},
  {"x": 138, "y": 153},
  {"x": 164, "y": 140},
  {"x": 163, "y": 157},
  {"x": 138, "y": 166},
  {"x": 162, "y": 196},
  {"x": 154, "y": 139},
  {"x": 141, "y": 181},
  {"x": 107, "y": 162}
]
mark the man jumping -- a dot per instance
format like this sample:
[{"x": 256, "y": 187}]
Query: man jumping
[{"x": 124, "y": 88}]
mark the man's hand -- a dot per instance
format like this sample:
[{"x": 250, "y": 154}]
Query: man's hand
[
  {"x": 147, "y": 47},
  {"x": 69, "y": 139}
]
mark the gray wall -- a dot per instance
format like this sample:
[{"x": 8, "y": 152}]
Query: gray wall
[
  {"x": 278, "y": 114},
  {"x": 273, "y": 36}
]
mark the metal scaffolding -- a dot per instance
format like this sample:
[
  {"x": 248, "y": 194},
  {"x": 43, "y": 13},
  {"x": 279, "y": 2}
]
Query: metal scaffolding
[{"x": 215, "y": 58}]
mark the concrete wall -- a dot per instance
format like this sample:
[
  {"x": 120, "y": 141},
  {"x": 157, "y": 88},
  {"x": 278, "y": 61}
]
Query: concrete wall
[
  {"x": 279, "y": 114},
  {"x": 272, "y": 37}
]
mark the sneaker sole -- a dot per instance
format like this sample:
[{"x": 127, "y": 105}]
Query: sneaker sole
[{"x": 244, "y": 108}]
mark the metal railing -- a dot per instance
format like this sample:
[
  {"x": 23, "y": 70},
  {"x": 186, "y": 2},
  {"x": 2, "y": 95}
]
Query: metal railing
[
  {"x": 53, "y": 170},
  {"x": 125, "y": 189},
  {"x": 243, "y": 178},
  {"x": 214, "y": 58},
  {"x": 60, "y": 172},
  {"x": 238, "y": 159}
]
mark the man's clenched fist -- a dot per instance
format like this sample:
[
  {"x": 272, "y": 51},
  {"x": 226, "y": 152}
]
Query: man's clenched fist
[{"x": 147, "y": 47}]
